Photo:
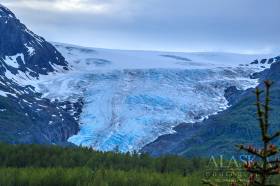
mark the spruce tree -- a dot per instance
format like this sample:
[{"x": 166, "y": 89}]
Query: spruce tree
[{"x": 267, "y": 163}]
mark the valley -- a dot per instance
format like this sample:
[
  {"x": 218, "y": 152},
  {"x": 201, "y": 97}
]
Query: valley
[{"x": 133, "y": 97}]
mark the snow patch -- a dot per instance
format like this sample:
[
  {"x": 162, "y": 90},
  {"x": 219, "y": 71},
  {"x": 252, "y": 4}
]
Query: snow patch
[
  {"x": 12, "y": 60},
  {"x": 4, "y": 94},
  {"x": 31, "y": 50}
]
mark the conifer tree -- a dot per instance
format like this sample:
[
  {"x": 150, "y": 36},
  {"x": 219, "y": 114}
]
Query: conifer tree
[{"x": 267, "y": 163}]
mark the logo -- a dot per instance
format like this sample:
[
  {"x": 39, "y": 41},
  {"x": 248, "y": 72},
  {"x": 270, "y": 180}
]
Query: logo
[{"x": 223, "y": 169}]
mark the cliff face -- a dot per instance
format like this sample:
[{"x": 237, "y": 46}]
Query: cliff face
[
  {"x": 220, "y": 133},
  {"x": 31, "y": 53},
  {"x": 25, "y": 117}
]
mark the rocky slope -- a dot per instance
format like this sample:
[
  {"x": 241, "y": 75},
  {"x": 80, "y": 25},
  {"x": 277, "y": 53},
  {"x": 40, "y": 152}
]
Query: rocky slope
[
  {"x": 25, "y": 117},
  {"x": 22, "y": 51},
  {"x": 131, "y": 97},
  {"x": 220, "y": 133}
]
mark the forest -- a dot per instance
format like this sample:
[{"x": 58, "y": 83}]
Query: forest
[
  {"x": 53, "y": 165},
  {"x": 50, "y": 165}
]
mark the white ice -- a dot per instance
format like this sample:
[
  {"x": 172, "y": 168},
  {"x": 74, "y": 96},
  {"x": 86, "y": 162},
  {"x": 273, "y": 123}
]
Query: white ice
[{"x": 133, "y": 97}]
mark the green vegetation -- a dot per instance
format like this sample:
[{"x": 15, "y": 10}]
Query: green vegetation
[
  {"x": 28, "y": 165},
  {"x": 87, "y": 177},
  {"x": 51, "y": 165},
  {"x": 46, "y": 165},
  {"x": 261, "y": 170},
  {"x": 22, "y": 156},
  {"x": 236, "y": 125},
  {"x": 268, "y": 165}
]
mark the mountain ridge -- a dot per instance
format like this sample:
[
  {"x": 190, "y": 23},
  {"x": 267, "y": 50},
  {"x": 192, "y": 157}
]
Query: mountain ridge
[
  {"x": 47, "y": 99},
  {"x": 219, "y": 134},
  {"x": 25, "y": 116},
  {"x": 28, "y": 52}
]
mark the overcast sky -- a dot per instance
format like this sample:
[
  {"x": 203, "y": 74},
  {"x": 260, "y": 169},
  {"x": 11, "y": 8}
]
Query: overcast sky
[{"x": 245, "y": 26}]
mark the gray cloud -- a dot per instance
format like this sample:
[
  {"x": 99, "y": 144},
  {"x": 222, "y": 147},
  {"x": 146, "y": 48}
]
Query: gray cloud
[{"x": 248, "y": 26}]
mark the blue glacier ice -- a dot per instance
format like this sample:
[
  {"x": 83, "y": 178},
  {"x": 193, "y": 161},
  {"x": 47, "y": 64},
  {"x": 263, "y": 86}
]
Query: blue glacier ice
[{"x": 135, "y": 97}]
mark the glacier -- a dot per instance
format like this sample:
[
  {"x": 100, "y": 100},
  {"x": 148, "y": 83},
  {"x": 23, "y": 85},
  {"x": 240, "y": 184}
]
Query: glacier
[{"x": 133, "y": 97}]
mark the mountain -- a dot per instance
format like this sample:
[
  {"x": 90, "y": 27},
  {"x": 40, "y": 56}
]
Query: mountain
[
  {"x": 25, "y": 117},
  {"x": 219, "y": 134},
  {"x": 22, "y": 51},
  {"x": 55, "y": 93},
  {"x": 133, "y": 97}
]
